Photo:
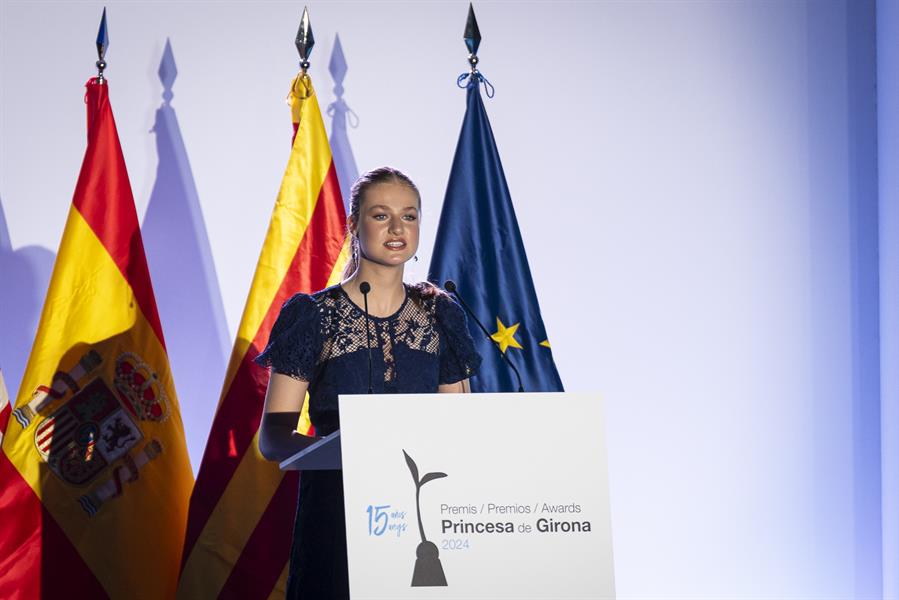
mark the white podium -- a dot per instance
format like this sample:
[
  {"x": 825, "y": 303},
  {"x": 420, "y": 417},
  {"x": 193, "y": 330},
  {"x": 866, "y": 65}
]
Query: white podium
[{"x": 464, "y": 496}]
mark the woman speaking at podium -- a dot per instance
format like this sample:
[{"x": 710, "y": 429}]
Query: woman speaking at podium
[{"x": 371, "y": 333}]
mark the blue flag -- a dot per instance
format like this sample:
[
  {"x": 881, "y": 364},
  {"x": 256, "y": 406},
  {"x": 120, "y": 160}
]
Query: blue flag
[{"x": 479, "y": 247}]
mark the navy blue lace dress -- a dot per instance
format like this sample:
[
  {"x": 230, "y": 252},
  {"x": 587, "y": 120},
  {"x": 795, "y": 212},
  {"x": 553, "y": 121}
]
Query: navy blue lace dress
[{"x": 321, "y": 339}]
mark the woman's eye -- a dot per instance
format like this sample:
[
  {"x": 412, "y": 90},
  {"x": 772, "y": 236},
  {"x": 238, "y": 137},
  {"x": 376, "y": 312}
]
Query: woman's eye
[
  {"x": 410, "y": 217},
  {"x": 380, "y": 217}
]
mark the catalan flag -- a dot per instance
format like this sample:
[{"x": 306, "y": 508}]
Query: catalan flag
[
  {"x": 94, "y": 468},
  {"x": 479, "y": 246},
  {"x": 242, "y": 508}
]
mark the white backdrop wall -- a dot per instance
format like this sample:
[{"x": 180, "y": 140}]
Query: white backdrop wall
[{"x": 696, "y": 184}]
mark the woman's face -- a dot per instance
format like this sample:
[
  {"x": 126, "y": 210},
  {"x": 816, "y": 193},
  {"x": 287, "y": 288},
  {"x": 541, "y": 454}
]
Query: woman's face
[{"x": 388, "y": 224}]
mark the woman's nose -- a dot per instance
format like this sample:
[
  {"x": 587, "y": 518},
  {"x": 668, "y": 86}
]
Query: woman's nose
[{"x": 396, "y": 226}]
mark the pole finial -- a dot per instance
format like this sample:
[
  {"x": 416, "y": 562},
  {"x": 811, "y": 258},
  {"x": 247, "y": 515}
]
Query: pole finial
[
  {"x": 168, "y": 71},
  {"x": 102, "y": 45},
  {"x": 305, "y": 40},
  {"x": 472, "y": 38}
]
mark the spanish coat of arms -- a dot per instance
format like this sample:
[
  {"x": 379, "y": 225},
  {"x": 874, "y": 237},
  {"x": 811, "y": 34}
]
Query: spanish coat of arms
[{"x": 98, "y": 425}]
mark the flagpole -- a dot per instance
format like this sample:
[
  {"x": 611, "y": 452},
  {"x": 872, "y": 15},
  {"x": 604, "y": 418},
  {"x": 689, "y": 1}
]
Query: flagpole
[
  {"x": 102, "y": 45},
  {"x": 305, "y": 41},
  {"x": 302, "y": 86},
  {"x": 472, "y": 38}
]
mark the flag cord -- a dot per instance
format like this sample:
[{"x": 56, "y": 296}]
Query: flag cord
[
  {"x": 474, "y": 78},
  {"x": 351, "y": 117}
]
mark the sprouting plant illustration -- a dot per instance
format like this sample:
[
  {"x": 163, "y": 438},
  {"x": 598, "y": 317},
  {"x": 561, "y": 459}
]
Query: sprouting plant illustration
[
  {"x": 418, "y": 483},
  {"x": 428, "y": 570}
]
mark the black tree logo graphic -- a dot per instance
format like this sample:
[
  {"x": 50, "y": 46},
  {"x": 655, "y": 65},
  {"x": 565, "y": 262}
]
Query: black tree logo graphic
[{"x": 428, "y": 570}]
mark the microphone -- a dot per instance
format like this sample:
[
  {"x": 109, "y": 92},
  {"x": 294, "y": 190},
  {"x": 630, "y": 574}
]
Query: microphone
[
  {"x": 365, "y": 288},
  {"x": 450, "y": 286}
]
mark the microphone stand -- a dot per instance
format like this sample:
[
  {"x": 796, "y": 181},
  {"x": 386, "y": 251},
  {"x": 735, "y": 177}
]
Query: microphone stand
[
  {"x": 365, "y": 288},
  {"x": 450, "y": 286}
]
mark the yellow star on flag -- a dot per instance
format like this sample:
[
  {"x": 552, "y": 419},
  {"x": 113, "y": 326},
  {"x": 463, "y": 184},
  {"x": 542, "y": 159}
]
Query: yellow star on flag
[{"x": 505, "y": 336}]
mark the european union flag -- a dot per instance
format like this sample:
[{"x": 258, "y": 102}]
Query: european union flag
[{"x": 479, "y": 247}]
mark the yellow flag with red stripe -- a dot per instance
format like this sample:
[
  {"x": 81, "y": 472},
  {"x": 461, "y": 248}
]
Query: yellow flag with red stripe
[
  {"x": 242, "y": 507},
  {"x": 94, "y": 450}
]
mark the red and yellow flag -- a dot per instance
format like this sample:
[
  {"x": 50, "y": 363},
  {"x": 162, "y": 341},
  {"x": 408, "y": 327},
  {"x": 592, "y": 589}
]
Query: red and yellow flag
[
  {"x": 94, "y": 468},
  {"x": 242, "y": 508}
]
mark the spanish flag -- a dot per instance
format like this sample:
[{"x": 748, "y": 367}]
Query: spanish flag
[
  {"x": 242, "y": 507},
  {"x": 94, "y": 472}
]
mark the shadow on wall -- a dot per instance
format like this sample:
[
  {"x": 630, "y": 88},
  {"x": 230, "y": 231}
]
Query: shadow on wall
[
  {"x": 341, "y": 114},
  {"x": 184, "y": 278},
  {"x": 844, "y": 303},
  {"x": 26, "y": 274}
]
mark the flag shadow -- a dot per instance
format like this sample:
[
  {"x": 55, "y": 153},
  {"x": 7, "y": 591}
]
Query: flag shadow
[
  {"x": 341, "y": 115},
  {"x": 184, "y": 277},
  {"x": 26, "y": 274}
]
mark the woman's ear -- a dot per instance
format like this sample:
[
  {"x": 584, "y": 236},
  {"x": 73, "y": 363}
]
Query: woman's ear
[{"x": 351, "y": 225}]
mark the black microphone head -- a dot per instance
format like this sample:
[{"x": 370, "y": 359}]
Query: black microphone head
[
  {"x": 450, "y": 286},
  {"x": 364, "y": 287}
]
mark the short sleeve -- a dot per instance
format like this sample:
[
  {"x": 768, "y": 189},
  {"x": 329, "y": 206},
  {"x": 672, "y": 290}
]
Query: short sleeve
[
  {"x": 458, "y": 358},
  {"x": 292, "y": 345}
]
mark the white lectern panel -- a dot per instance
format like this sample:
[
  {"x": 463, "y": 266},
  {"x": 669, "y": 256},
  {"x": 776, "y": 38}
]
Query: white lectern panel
[{"x": 512, "y": 491}]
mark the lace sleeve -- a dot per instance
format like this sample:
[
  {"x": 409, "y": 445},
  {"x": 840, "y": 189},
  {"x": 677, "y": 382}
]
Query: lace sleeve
[
  {"x": 458, "y": 358},
  {"x": 292, "y": 343}
]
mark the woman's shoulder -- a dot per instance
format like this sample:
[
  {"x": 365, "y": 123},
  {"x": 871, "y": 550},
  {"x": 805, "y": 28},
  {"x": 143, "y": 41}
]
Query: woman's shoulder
[
  {"x": 303, "y": 306},
  {"x": 329, "y": 293},
  {"x": 294, "y": 337},
  {"x": 436, "y": 300},
  {"x": 298, "y": 308},
  {"x": 302, "y": 298}
]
